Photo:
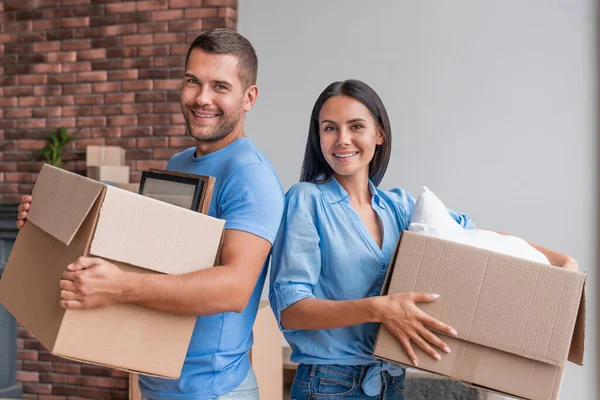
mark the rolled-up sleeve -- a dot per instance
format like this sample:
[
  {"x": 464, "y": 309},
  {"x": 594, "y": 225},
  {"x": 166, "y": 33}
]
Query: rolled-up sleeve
[{"x": 296, "y": 259}]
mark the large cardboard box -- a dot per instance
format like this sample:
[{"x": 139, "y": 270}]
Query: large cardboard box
[
  {"x": 104, "y": 155},
  {"x": 111, "y": 173},
  {"x": 266, "y": 354},
  {"x": 72, "y": 216},
  {"x": 517, "y": 321}
]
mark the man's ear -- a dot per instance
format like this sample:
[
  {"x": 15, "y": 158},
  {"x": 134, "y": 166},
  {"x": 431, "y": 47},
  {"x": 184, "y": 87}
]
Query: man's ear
[{"x": 250, "y": 96}]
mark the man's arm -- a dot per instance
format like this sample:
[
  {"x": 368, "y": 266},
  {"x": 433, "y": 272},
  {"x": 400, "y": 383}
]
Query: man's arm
[{"x": 95, "y": 283}]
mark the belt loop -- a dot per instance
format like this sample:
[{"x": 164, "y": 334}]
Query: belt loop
[{"x": 313, "y": 370}]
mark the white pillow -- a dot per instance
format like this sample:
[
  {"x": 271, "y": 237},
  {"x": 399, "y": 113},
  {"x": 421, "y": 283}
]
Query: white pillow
[{"x": 430, "y": 217}]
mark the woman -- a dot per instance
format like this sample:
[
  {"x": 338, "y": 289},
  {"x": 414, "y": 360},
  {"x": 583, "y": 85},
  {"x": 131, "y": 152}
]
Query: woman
[{"x": 332, "y": 252}]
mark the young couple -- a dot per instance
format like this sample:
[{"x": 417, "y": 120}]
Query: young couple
[{"x": 329, "y": 256}]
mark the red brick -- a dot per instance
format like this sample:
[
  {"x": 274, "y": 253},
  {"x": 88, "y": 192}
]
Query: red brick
[
  {"x": 22, "y": 177},
  {"x": 228, "y": 13},
  {"x": 137, "y": 40},
  {"x": 160, "y": 62},
  {"x": 62, "y": 78},
  {"x": 82, "y": 144},
  {"x": 169, "y": 38},
  {"x": 139, "y": 63},
  {"x": 29, "y": 387},
  {"x": 18, "y": 113},
  {"x": 137, "y": 85},
  {"x": 152, "y": 5},
  {"x": 107, "y": 87},
  {"x": 183, "y": 3},
  {"x": 105, "y": 132},
  {"x": 167, "y": 108},
  {"x": 74, "y": 2},
  {"x": 136, "y": 131},
  {"x": 119, "y": 374},
  {"x": 213, "y": 23},
  {"x": 126, "y": 143},
  {"x": 150, "y": 97},
  {"x": 30, "y": 101},
  {"x": 77, "y": 67},
  {"x": 168, "y": 84},
  {"x": 66, "y": 367},
  {"x": 156, "y": 27},
  {"x": 153, "y": 51},
  {"x": 52, "y": 378},
  {"x": 45, "y": 25},
  {"x": 158, "y": 73},
  {"x": 75, "y": 22},
  {"x": 80, "y": 88},
  {"x": 177, "y": 118},
  {"x": 220, "y": 3},
  {"x": 47, "y": 68},
  {"x": 123, "y": 74},
  {"x": 154, "y": 119},
  {"x": 121, "y": 52},
  {"x": 100, "y": 65},
  {"x": 122, "y": 120},
  {"x": 52, "y": 397},
  {"x": 47, "y": 112},
  {"x": 93, "y": 76},
  {"x": 46, "y": 46},
  {"x": 17, "y": 91},
  {"x": 27, "y": 354},
  {"x": 124, "y": 7},
  {"x": 164, "y": 153},
  {"x": 60, "y": 123},
  {"x": 137, "y": 108},
  {"x": 67, "y": 56},
  {"x": 152, "y": 142},
  {"x": 167, "y": 15},
  {"x": 91, "y": 121},
  {"x": 93, "y": 54},
  {"x": 60, "y": 101},
  {"x": 94, "y": 99},
  {"x": 8, "y": 38},
  {"x": 77, "y": 44},
  {"x": 147, "y": 164},
  {"x": 10, "y": 145},
  {"x": 185, "y": 26},
  {"x": 178, "y": 50},
  {"x": 31, "y": 123},
  {"x": 108, "y": 110},
  {"x": 114, "y": 30},
  {"x": 119, "y": 98},
  {"x": 66, "y": 390},
  {"x": 16, "y": 27},
  {"x": 36, "y": 366},
  {"x": 179, "y": 130},
  {"x": 9, "y": 102},
  {"x": 199, "y": 13},
  {"x": 76, "y": 111}
]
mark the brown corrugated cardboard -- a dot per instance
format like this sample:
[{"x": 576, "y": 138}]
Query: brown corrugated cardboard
[
  {"x": 516, "y": 319},
  {"x": 131, "y": 187},
  {"x": 118, "y": 174},
  {"x": 266, "y": 354},
  {"x": 104, "y": 155},
  {"x": 72, "y": 216}
]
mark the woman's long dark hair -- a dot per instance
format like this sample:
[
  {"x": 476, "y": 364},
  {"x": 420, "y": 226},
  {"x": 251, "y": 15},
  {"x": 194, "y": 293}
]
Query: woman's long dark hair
[{"x": 315, "y": 167}]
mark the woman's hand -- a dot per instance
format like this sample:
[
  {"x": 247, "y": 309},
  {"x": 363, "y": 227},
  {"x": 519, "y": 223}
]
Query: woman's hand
[{"x": 401, "y": 316}]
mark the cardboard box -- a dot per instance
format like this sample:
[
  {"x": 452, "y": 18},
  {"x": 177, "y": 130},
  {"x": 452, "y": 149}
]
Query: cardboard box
[
  {"x": 266, "y": 354},
  {"x": 130, "y": 187},
  {"x": 104, "y": 155},
  {"x": 110, "y": 173},
  {"x": 72, "y": 216},
  {"x": 517, "y": 321}
]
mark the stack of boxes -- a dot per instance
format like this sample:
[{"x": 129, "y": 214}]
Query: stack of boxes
[{"x": 107, "y": 163}]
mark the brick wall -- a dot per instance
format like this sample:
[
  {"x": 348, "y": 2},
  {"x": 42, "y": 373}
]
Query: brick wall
[{"x": 110, "y": 69}]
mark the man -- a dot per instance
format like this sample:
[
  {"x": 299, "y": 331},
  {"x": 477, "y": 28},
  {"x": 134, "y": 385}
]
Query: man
[{"x": 218, "y": 88}]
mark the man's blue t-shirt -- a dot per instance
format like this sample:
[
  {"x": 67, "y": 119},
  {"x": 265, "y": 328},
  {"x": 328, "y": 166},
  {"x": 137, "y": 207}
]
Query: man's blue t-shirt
[{"x": 249, "y": 197}]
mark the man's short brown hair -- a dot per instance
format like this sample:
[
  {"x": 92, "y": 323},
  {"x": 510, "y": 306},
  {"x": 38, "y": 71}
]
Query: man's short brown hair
[{"x": 227, "y": 41}]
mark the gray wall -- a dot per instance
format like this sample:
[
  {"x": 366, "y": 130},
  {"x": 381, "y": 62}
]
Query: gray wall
[{"x": 492, "y": 105}]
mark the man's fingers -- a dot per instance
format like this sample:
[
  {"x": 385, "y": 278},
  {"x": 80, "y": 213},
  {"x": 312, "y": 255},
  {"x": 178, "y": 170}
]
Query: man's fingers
[
  {"x": 68, "y": 295},
  {"x": 24, "y": 207},
  {"x": 437, "y": 325},
  {"x": 20, "y": 223},
  {"x": 83, "y": 263},
  {"x": 71, "y": 304},
  {"x": 419, "y": 341},
  {"x": 433, "y": 339},
  {"x": 65, "y": 284},
  {"x": 26, "y": 198},
  {"x": 423, "y": 297},
  {"x": 22, "y": 215}
]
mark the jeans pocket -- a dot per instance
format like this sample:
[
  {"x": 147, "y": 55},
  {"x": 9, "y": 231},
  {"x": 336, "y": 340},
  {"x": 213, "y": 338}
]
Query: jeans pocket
[
  {"x": 332, "y": 386},
  {"x": 398, "y": 382}
]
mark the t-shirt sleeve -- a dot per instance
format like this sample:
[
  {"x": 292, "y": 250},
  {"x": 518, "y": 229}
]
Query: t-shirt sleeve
[
  {"x": 251, "y": 200},
  {"x": 296, "y": 261}
]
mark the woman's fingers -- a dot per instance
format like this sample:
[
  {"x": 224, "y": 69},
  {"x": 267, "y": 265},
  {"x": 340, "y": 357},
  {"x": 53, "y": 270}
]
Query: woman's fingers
[
  {"x": 419, "y": 341},
  {"x": 433, "y": 339},
  {"x": 409, "y": 350},
  {"x": 436, "y": 324}
]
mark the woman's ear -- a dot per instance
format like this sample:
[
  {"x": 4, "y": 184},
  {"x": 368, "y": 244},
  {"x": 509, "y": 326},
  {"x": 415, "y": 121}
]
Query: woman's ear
[{"x": 380, "y": 137}]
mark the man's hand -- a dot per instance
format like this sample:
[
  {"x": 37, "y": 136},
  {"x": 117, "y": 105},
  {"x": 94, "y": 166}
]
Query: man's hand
[
  {"x": 91, "y": 283},
  {"x": 23, "y": 210}
]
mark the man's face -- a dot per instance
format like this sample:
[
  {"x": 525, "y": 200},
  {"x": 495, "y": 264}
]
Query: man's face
[{"x": 212, "y": 96}]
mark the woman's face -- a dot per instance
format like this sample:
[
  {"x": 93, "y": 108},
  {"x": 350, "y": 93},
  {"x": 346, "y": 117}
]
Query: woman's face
[{"x": 349, "y": 135}]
